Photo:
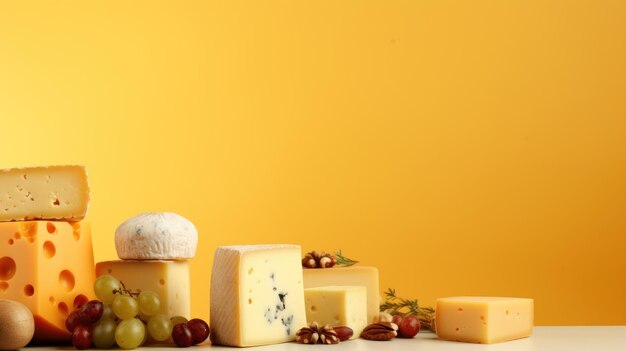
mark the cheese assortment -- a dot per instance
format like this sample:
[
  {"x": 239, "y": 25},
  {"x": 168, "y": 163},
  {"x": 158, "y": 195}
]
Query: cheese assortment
[
  {"x": 46, "y": 265},
  {"x": 484, "y": 320},
  {"x": 257, "y": 295},
  {"x": 260, "y": 294},
  {"x": 338, "y": 306}
]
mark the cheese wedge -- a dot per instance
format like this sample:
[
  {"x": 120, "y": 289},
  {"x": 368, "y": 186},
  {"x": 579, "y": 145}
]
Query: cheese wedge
[
  {"x": 257, "y": 296},
  {"x": 46, "y": 266},
  {"x": 169, "y": 279},
  {"x": 348, "y": 276},
  {"x": 56, "y": 193},
  {"x": 484, "y": 320},
  {"x": 337, "y": 306}
]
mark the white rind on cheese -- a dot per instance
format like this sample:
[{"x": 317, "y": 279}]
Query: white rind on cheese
[
  {"x": 257, "y": 295},
  {"x": 156, "y": 236},
  {"x": 44, "y": 193}
]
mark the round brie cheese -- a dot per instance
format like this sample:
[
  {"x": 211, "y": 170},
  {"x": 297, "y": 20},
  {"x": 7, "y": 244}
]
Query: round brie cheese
[{"x": 156, "y": 236}]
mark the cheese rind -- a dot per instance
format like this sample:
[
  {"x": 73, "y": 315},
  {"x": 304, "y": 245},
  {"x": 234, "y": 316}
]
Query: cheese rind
[
  {"x": 46, "y": 266},
  {"x": 257, "y": 295},
  {"x": 169, "y": 279},
  {"x": 484, "y": 320},
  {"x": 33, "y": 193},
  {"x": 156, "y": 236},
  {"x": 348, "y": 276},
  {"x": 337, "y": 306}
]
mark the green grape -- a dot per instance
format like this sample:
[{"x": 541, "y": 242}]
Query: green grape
[
  {"x": 104, "y": 333},
  {"x": 107, "y": 313},
  {"x": 178, "y": 319},
  {"x": 149, "y": 303},
  {"x": 125, "y": 307},
  {"x": 104, "y": 286},
  {"x": 130, "y": 334},
  {"x": 160, "y": 327}
]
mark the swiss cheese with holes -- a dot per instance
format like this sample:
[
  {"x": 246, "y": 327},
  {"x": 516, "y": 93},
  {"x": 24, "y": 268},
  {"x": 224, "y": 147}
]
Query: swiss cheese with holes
[
  {"x": 55, "y": 192},
  {"x": 46, "y": 265}
]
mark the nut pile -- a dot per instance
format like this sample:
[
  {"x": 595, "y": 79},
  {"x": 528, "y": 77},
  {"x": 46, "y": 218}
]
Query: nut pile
[
  {"x": 314, "y": 259},
  {"x": 314, "y": 334}
]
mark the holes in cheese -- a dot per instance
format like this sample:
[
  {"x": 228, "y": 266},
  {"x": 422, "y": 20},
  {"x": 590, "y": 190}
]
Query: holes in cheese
[
  {"x": 50, "y": 270},
  {"x": 63, "y": 309},
  {"x": 51, "y": 228},
  {"x": 66, "y": 280},
  {"x": 7, "y": 268},
  {"x": 48, "y": 249}
]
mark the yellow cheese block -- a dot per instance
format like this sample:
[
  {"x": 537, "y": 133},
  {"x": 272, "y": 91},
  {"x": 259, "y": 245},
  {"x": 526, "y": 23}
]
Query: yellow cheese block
[
  {"x": 56, "y": 192},
  {"x": 46, "y": 266},
  {"x": 337, "y": 306},
  {"x": 169, "y": 279},
  {"x": 484, "y": 320},
  {"x": 348, "y": 276}
]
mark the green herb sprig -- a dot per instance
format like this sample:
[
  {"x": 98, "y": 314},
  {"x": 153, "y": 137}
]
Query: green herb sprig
[
  {"x": 395, "y": 305},
  {"x": 343, "y": 261}
]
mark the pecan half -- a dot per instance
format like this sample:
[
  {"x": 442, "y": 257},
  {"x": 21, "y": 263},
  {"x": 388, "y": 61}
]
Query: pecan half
[{"x": 381, "y": 331}]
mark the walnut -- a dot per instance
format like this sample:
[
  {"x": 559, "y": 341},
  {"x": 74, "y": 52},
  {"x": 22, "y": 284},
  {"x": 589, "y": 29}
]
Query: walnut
[
  {"x": 381, "y": 331},
  {"x": 314, "y": 334},
  {"x": 314, "y": 259}
]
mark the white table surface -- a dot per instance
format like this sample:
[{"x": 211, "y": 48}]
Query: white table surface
[{"x": 543, "y": 338}]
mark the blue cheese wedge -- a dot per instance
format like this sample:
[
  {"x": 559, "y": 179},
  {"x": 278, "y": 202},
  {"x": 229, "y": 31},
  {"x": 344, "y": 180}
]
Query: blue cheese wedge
[{"x": 257, "y": 295}]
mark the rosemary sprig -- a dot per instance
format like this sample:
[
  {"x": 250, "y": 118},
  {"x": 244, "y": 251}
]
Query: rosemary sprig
[
  {"x": 343, "y": 260},
  {"x": 395, "y": 305}
]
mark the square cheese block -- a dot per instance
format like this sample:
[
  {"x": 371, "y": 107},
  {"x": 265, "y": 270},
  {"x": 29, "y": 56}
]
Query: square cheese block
[
  {"x": 257, "y": 297},
  {"x": 337, "y": 306},
  {"x": 484, "y": 320},
  {"x": 46, "y": 266},
  {"x": 56, "y": 193},
  {"x": 169, "y": 279},
  {"x": 348, "y": 276}
]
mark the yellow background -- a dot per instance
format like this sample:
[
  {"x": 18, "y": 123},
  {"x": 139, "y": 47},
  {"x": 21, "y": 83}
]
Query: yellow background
[{"x": 463, "y": 147}]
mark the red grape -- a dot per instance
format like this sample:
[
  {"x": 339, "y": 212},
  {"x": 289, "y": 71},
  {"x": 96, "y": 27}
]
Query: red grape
[
  {"x": 182, "y": 335},
  {"x": 73, "y": 320},
  {"x": 80, "y": 301},
  {"x": 82, "y": 337},
  {"x": 91, "y": 312},
  {"x": 199, "y": 330},
  {"x": 409, "y": 326}
]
